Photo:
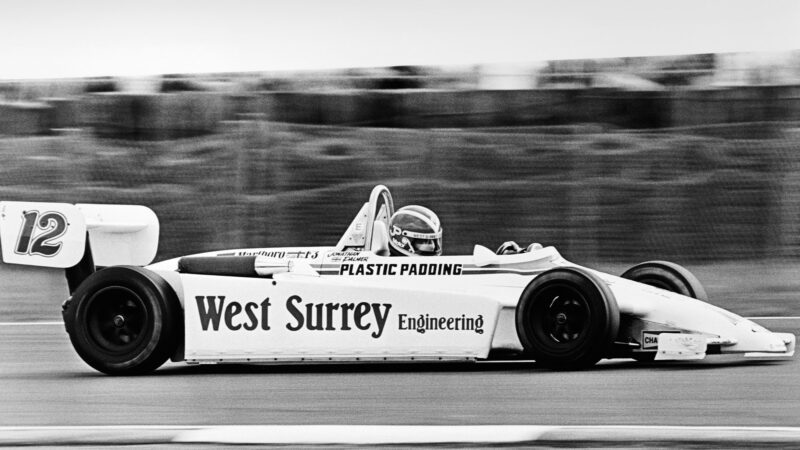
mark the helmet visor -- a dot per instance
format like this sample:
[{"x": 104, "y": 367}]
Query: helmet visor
[{"x": 427, "y": 247}]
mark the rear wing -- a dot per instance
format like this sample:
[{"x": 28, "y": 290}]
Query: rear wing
[{"x": 55, "y": 234}]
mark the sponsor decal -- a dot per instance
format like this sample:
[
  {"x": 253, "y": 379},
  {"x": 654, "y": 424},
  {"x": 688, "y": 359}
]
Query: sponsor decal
[
  {"x": 337, "y": 316},
  {"x": 688, "y": 341},
  {"x": 279, "y": 254},
  {"x": 219, "y": 312},
  {"x": 216, "y": 311},
  {"x": 401, "y": 269},
  {"x": 426, "y": 322},
  {"x": 649, "y": 340}
]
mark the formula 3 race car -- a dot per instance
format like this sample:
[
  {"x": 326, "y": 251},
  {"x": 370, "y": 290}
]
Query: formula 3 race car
[{"x": 353, "y": 302}]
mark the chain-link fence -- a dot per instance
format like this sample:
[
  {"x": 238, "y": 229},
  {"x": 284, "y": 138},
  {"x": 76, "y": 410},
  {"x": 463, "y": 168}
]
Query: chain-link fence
[{"x": 687, "y": 195}]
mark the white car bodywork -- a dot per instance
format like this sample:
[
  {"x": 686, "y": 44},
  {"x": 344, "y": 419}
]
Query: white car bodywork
[
  {"x": 457, "y": 292},
  {"x": 353, "y": 302},
  {"x": 479, "y": 303}
]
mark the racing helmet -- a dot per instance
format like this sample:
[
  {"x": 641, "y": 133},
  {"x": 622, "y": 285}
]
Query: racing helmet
[{"x": 415, "y": 231}]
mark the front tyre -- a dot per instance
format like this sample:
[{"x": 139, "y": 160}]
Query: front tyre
[
  {"x": 668, "y": 276},
  {"x": 567, "y": 318},
  {"x": 124, "y": 320}
]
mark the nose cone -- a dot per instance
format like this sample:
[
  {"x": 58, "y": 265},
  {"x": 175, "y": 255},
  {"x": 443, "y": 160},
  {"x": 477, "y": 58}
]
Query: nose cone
[
  {"x": 752, "y": 337},
  {"x": 735, "y": 333}
]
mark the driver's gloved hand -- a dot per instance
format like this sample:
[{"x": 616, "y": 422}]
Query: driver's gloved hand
[{"x": 534, "y": 246}]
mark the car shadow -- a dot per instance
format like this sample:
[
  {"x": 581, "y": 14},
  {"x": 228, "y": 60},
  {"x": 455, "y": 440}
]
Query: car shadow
[
  {"x": 345, "y": 367},
  {"x": 627, "y": 365},
  {"x": 516, "y": 366}
]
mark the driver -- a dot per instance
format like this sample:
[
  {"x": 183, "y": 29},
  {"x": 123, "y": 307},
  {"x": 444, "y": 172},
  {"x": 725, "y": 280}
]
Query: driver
[
  {"x": 415, "y": 231},
  {"x": 512, "y": 248}
]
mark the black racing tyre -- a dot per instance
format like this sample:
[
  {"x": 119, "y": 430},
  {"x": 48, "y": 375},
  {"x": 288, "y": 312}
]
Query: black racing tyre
[
  {"x": 668, "y": 276},
  {"x": 567, "y": 318},
  {"x": 124, "y": 320}
]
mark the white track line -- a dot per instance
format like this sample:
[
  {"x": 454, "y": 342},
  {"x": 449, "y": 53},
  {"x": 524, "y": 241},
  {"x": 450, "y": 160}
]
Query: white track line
[
  {"x": 24, "y": 324},
  {"x": 395, "y": 434},
  {"x": 363, "y": 434},
  {"x": 482, "y": 434},
  {"x": 7, "y": 428}
]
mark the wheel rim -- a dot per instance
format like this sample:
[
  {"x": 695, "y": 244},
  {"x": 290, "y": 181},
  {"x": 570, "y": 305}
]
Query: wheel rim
[
  {"x": 116, "y": 318},
  {"x": 563, "y": 316}
]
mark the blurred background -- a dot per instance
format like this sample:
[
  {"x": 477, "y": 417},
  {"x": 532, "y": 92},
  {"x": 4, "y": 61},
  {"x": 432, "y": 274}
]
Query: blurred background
[{"x": 691, "y": 156}]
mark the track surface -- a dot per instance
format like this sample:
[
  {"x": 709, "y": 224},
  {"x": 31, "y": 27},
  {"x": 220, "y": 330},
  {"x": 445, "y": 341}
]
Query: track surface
[{"x": 43, "y": 382}]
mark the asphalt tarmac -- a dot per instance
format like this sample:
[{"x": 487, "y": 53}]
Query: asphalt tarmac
[{"x": 43, "y": 382}]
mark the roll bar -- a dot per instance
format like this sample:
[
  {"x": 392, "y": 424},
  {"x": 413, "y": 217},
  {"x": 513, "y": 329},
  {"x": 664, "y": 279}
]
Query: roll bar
[
  {"x": 379, "y": 192},
  {"x": 379, "y": 207}
]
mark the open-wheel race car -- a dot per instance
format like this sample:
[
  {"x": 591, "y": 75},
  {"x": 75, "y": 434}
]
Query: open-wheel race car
[{"x": 355, "y": 302}]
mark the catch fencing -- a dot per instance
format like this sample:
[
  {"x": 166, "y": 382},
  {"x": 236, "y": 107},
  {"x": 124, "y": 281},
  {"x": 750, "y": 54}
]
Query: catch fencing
[{"x": 598, "y": 195}]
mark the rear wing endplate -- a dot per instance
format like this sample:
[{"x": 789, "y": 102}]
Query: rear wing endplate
[{"x": 54, "y": 234}]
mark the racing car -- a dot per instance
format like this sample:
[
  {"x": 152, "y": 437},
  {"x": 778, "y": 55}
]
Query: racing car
[{"x": 354, "y": 302}]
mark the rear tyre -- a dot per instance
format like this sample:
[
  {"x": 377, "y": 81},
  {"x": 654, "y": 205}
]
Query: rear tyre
[
  {"x": 567, "y": 318},
  {"x": 668, "y": 276},
  {"x": 124, "y": 320}
]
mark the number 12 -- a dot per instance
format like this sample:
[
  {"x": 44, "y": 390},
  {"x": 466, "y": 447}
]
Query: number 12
[{"x": 51, "y": 224}]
